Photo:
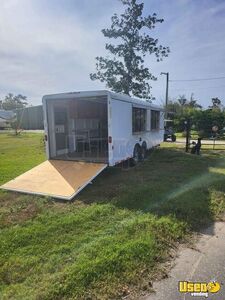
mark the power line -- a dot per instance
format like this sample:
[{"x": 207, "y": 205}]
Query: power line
[
  {"x": 198, "y": 88},
  {"x": 198, "y": 79}
]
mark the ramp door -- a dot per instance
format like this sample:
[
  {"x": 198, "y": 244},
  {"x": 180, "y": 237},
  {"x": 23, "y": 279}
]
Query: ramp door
[{"x": 56, "y": 178}]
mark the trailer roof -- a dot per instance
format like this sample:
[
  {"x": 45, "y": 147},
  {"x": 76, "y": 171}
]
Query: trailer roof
[{"x": 98, "y": 93}]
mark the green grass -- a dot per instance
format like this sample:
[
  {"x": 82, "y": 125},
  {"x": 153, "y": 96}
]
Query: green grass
[
  {"x": 112, "y": 239},
  {"x": 19, "y": 153},
  {"x": 193, "y": 133}
]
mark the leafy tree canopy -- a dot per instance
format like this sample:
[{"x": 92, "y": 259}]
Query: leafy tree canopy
[
  {"x": 11, "y": 102},
  {"x": 192, "y": 103},
  {"x": 125, "y": 72},
  {"x": 216, "y": 103},
  {"x": 201, "y": 120}
]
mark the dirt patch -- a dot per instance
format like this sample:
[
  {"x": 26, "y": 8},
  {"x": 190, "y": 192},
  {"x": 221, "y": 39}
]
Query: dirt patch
[
  {"x": 24, "y": 214},
  {"x": 17, "y": 208},
  {"x": 20, "y": 215}
]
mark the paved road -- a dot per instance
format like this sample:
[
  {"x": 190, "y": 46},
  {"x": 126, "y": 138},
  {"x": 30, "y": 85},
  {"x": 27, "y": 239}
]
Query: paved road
[{"x": 206, "y": 263}]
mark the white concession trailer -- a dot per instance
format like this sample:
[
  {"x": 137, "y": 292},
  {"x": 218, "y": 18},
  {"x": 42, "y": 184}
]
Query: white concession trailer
[{"x": 85, "y": 132}]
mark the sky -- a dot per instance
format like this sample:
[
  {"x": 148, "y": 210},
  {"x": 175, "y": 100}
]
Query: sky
[{"x": 49, "y": 46}]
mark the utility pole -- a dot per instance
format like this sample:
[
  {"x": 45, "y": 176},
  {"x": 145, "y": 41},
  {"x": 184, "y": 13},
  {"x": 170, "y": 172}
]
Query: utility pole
[{"x": 167, "y": 91}]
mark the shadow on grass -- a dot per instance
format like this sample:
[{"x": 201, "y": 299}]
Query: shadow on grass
[{"x": 169, "y": 182}]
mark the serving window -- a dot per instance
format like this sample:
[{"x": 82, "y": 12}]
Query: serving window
[
  {"x": 155, "y": 120},
  {"x": 139, "y": 119}
]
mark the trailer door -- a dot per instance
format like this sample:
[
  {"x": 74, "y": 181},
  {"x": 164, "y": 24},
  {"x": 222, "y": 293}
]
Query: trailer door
[
  {"x": 56, "y": 178},
  {"x": 121, "y": 130}
]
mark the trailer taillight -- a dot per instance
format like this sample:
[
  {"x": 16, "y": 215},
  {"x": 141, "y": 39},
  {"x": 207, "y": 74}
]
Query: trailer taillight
[{"x": 110, "y": 139}]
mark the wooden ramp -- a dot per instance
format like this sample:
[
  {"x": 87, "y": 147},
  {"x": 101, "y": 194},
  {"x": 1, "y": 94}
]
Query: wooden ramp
[{"x": 56, "y": 178}]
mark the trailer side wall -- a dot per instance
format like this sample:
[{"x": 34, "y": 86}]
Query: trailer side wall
[{"x": 121, "y": 131}]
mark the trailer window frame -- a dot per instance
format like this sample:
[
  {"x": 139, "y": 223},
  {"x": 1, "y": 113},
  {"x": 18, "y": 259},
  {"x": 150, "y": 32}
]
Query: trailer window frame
[
  {"x": 139, "y": 119},
  {"x": 155, "y": 120}
]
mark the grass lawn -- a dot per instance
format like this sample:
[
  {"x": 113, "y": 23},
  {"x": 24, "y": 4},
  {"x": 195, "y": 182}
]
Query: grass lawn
[
  {"x": 112, "y": 239},
  {"x": 19, "y": 154}
]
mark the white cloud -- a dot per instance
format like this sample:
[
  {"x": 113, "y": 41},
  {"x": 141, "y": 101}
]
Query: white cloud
[
  {"x": 50, "y": 46},
  {"x": 43, "y": 54}
]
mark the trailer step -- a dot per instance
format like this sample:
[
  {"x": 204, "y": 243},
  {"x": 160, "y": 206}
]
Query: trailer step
[{"x": 56, "y": 178}]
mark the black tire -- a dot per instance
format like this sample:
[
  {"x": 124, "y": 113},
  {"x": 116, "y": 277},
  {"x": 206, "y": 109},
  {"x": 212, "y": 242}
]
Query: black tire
[
  {"x": 136, "y": 154},
  {"x": 143, "y": 150},
  {"x": 174, "y": 138}
]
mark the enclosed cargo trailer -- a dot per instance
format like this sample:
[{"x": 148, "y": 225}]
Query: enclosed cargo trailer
[
  {"x": 85, "y": 132},
  {"x": 100, "y": 126}
]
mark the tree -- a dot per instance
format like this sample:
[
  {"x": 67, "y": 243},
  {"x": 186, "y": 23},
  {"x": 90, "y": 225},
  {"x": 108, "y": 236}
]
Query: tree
[
  {"x": 182, "y": 100},
  {"x": 216, "y": 103},
  {"x": 125, "y": 72},
  {"x": 11, "y": 102},
  {"x": 174, "y": 109},
  {"x": 193, "y": 102},
  {"x": 182, "y": 109},
  {"x": 204, "y": 121}
]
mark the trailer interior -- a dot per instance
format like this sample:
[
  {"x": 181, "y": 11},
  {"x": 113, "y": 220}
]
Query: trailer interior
[{"x": 78, "y": 129}]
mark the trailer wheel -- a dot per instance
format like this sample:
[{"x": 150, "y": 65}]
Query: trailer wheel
[
  {"x": 144, "y": 150},
  {"x": 136, "y": 154}
]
